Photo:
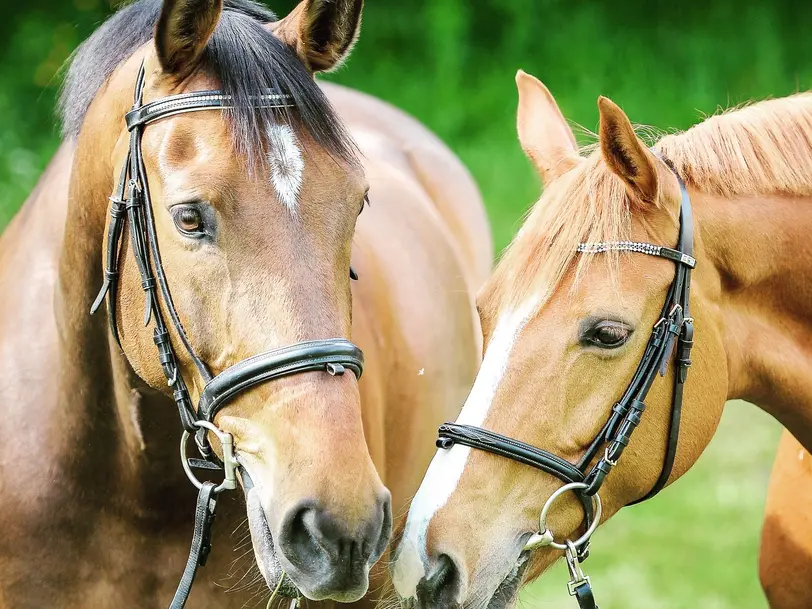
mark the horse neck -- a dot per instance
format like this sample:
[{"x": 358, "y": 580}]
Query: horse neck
[
  {"x": 760, "y": 248},
  {"x": 129, "y": 429}
]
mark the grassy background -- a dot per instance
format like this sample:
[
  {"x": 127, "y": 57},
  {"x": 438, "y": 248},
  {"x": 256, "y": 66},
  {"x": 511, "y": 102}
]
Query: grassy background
[{"x": 451, "y": 64}]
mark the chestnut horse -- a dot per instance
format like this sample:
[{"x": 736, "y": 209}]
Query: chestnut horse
[
  {"x": 785, "y": 558},
  {"x": 566, "y": 326},
  {"x": 255, "y": 212}
]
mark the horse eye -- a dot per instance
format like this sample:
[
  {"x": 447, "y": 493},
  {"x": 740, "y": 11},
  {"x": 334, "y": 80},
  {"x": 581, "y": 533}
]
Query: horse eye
[
  {"x": 609, "y": 335},
  {"x": 188, "y": 220},
  {"x": 364, "y": 202}
]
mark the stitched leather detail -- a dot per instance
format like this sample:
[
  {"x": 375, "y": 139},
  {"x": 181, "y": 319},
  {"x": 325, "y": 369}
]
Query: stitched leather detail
[
  {"x": 201, "y": 543},
  {"x": 294, "y": 359}
]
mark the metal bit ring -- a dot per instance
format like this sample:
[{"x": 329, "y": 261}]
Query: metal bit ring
[
  {"x": 229, "y": 461},
  {"x": 545, "y": 536}
]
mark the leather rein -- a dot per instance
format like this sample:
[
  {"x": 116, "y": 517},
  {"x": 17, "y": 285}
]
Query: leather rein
[
  {"x": 131, "y": 204},
  {"x": 674, "y": 328}
]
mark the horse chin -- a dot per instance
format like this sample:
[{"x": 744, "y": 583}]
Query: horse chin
[
  {"x": 507, "y": 593},
  {"x": 264, "y": 550}
]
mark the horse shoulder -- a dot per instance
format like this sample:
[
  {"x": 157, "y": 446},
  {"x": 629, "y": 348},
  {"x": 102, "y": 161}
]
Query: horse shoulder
[
  {"x": 785, "y": 557},
  {"x": 29, "y": 257},
  {"x": 389, "y": 134}
]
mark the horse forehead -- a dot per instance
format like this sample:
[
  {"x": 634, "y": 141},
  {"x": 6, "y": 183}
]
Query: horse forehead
[
  {"x": 184, "y": 154},
  {"x": 603, "y": 289},
  {"x": 196, "y": 151},
  {"x": 199, "y": 137},
  {"x": 204, "y": 139}
]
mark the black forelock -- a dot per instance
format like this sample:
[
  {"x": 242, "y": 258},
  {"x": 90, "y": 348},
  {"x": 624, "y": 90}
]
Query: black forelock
[{"x": 245, "y": 57}]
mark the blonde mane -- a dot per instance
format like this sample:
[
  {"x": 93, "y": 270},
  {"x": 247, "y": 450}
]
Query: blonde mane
[{"x": 760, "y": 149}]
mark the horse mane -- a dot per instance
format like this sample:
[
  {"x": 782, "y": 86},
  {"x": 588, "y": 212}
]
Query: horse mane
[
  {"x": 759, "y": 149},
  {"x": 243, "y": 55}
]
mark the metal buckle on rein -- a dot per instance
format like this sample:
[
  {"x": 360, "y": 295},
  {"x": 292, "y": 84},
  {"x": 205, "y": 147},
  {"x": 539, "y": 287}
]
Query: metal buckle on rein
[
  {"x": 577, "y": 577},
  {"x": 611, "y": 462},
  {"x": 579, "y": 585},
  {"x": 229, "y": 460}
]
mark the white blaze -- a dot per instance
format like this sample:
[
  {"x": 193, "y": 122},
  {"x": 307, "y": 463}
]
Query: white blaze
[
  {"x": 447, "y": 466},
  {"x": 286, "y": 163}
]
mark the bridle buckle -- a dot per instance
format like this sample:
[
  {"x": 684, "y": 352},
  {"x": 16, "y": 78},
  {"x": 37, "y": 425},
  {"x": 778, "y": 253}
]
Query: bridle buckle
[
  {"x": 577, "y": 576},
  {"x": 611, "y": 462},
  {"x": 572, "y": 585}
]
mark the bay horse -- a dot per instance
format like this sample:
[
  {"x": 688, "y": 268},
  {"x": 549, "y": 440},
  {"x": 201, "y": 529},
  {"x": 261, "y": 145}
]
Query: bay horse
[
  {"x": 587, "y": 308},
  {"x": 257, "y": 211}
]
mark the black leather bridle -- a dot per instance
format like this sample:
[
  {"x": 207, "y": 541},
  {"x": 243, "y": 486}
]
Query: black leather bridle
[
  {"x": 333, "y": 355},
  {"x": 674, "y": 327}
]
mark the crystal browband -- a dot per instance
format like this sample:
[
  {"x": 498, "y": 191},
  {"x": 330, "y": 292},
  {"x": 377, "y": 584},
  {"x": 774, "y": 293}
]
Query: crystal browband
[{"x": 638, "y": 247}]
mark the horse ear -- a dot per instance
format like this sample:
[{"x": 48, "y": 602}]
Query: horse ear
[
  {"x": 544, "y": 134},
  {"x": 625, "y": 154},
  {"x": 322, "y": 32},
  {"x": 182, "y": 33}
]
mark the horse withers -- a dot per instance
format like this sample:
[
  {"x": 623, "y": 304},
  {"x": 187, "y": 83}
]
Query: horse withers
[
  {"x": 242, "y": 222},
  {"x": 631, "y": 257}
]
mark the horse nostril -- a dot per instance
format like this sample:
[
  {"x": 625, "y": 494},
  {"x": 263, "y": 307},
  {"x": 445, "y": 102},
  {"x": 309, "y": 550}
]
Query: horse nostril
[
  {"x": 382, "y": 529},
  {"x": 320, "y": 552},
  {"x": 309, "y": 532},
  {"x": 441, "y": 588}
]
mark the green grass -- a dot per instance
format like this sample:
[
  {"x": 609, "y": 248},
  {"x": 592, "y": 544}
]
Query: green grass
[{"x": 451, "y": 63}]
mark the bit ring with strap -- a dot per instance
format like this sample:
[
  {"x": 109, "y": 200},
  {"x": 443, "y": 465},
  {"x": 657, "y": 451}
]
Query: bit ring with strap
[
  {"x": 545, "y": 536},
  {"x": 228, "y": 460}
]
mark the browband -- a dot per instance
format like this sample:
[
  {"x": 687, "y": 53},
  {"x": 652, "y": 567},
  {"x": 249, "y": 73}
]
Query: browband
[
  {"x": 199, "y": 100},
  {"x": 639, "y": 248}
]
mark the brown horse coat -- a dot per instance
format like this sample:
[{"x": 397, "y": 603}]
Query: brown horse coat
[{"x": 96, "y": 510}]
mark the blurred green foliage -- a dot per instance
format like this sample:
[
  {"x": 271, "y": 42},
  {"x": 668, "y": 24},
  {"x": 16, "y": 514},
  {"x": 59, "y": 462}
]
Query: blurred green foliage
[{"x": 451, "y": 63}]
